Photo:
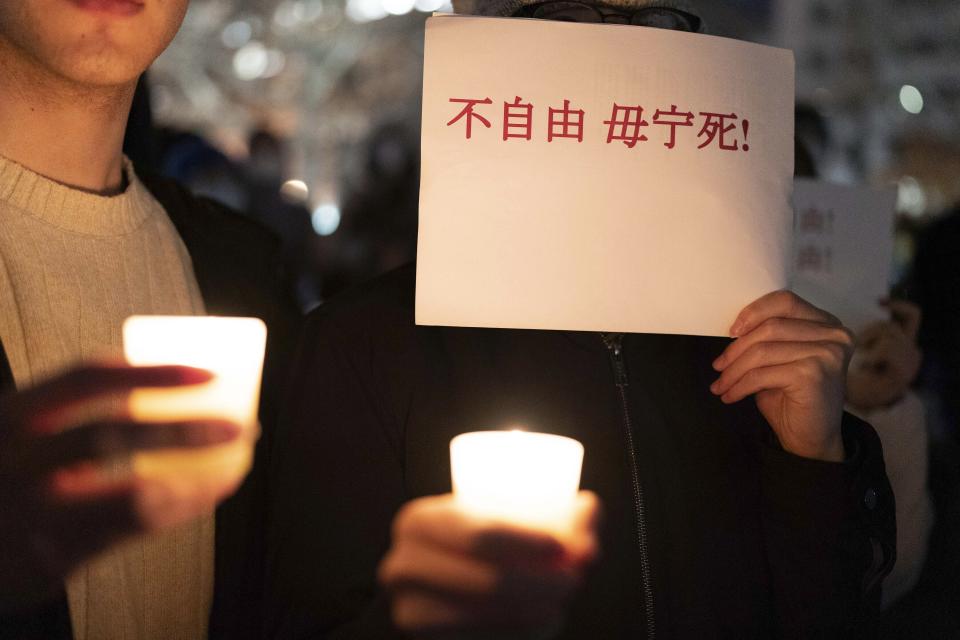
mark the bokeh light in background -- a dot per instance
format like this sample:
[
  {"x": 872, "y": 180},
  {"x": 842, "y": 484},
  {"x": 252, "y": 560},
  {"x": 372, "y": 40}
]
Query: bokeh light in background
[
  {"x": 326, "y": 219},
  {"x": 911, "y": 99},
  {"x": 295, "y": 190}
]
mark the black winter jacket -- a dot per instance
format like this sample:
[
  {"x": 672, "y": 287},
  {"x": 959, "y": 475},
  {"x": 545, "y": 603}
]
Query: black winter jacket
[{"x": 711, "y": 529}]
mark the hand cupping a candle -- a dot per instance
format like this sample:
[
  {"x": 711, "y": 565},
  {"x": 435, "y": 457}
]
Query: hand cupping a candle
[
  {"x": 230, "y": 348},
  {"x": 448, "y": 571},
  {"x": 793, "y": 358},
  {"x": 56, "y": 509},
  {"x": 505, "y": 551}
]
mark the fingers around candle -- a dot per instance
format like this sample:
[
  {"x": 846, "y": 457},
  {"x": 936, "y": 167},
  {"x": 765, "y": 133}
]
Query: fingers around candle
[{"x": 441, "y": 521}]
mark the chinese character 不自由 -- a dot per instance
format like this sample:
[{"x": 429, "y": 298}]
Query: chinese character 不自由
[
  {"x": 470, "y": 114},
  {"x": 565, "y": 123},
  {"x": 517, "y": 120}
]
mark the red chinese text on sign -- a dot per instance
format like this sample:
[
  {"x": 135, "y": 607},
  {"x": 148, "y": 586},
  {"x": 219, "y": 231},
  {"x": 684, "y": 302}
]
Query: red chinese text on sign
[
  {"x": 814, "y": 258},
  {"x": 716, "y": 127},
  {"x": 565, "y": 123},
  {"x": 517, "y": 119},
  {"x": 815, "y": 221},
  {"x": 470, "y": 114},
  {"x": 673, "y": 119},
  {"x": 624, "y": 125}
]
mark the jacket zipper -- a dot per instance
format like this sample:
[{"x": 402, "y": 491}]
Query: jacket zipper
[{"x": 614, "y": 344}]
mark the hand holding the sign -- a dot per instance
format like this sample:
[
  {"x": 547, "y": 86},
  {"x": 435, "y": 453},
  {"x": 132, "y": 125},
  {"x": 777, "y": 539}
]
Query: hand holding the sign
[
  {"x": 448, "y": 572},
  {"x": 56, "y": 510},
  {"x": 793, "y": 358}
]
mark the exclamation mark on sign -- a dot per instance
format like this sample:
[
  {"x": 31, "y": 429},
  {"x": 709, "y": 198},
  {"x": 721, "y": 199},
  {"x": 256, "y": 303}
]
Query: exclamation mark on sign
[{"x": 746, "y": 132}]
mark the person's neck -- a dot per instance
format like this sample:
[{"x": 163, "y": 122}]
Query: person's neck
[{"x": 70, "y": 133}]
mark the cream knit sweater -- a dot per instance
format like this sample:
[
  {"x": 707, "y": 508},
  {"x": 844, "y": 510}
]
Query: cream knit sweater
[{"x": 73, "y": 266}]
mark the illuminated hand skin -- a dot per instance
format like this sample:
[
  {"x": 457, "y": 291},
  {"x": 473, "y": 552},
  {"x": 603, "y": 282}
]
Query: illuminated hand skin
[
  {"x": 450, "y": 575},
  {"x": 793, "y": 358},
  {"x": 886, "y": 359},
  {"x": 56, "y": 509}
]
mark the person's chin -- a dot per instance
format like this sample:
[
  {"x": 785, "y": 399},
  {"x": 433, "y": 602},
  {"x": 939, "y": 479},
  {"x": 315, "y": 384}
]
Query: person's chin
[
  {"x": 105, "y": 59},
  {"x": 103, "y": 70}
]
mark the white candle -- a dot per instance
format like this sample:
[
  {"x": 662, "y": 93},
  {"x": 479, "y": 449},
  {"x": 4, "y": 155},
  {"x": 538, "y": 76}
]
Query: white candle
[
  {"x": 233, "y": 349},
  {"x": 530, "y": 479}
]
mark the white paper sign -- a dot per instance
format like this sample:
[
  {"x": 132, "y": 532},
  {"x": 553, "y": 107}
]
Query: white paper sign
[
  {"x": 843, "y": 249},
  {"x": 549, "y": 200}
]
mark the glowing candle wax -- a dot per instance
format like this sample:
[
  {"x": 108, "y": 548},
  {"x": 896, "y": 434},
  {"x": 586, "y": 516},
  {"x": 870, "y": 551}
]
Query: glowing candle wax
[
  {"x": 530, "y": 479},
  {"x": 233, "y": 349}
]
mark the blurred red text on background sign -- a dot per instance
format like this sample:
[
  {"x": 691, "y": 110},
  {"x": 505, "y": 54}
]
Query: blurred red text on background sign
[{"x": 843, "y": 248}]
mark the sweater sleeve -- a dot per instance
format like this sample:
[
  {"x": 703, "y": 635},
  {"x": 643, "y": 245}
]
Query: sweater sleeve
[
  {"x": 336, "y": 483},
  {"x": 830, "y": 535}
]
